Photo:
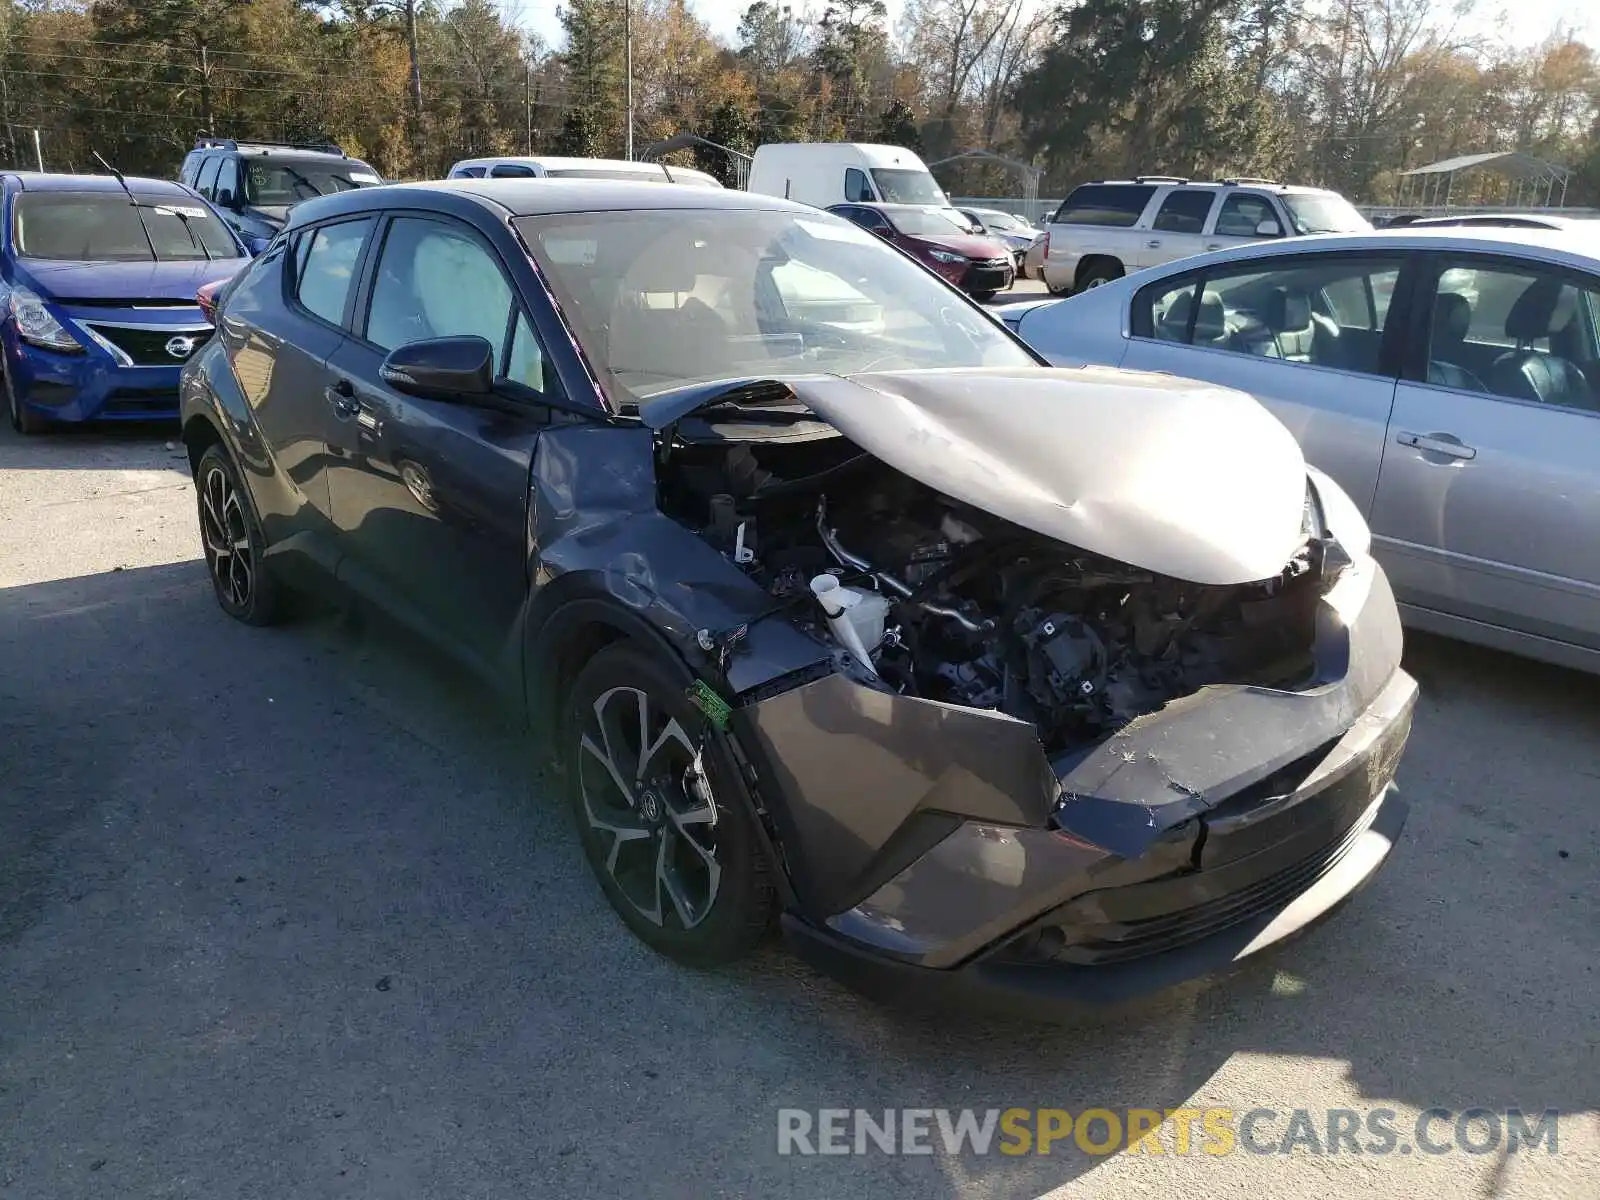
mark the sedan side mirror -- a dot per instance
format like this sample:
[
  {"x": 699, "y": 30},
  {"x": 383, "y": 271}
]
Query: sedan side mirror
[
  {"x": 255, "y": 245},
  {"x": 1269, "y": 228},
  {"x": 451, "y": 369},
  {"x": 884, "y": 232}
]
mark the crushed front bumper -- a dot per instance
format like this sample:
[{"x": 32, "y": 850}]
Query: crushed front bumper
[{"x": 936, "y": 852}]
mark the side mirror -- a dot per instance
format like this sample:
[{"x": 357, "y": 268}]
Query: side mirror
[
  {"x": 225, "y": 199},
  {"x": 448, "y": 369},
  {"x": 884, "y": 232},
  {"x": 1269, "y": 228},
  {"x": 255, "y": 245}
]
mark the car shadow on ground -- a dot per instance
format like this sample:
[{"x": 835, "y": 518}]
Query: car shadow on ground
[
  {"x": 288, "y": 910},
  {"x": 107, "y": 445}
]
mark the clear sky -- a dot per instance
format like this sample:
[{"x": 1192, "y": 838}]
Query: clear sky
[{"x": 1533, "y": 21}]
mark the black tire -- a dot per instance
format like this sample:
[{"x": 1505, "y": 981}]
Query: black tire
[
  {"x": 1101, "y": 272},
  {"x": 692, "y": 849},
  {"x": 984, "y": 297},
  {"x": 230, "y": 535},
  {"x": 1055, "y": 289},
  {"x": 24, "y": 420}
]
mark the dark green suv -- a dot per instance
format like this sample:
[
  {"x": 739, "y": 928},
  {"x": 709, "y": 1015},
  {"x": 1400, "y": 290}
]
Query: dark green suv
[{"x": 254, "y": 184}]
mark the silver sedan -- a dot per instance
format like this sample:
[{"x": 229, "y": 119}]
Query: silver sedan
[{"x": 1448, "y": 378}]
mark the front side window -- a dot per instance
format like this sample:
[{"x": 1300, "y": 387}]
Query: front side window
[
  {"x": 112, "y": 227},
  {"x": 663, "y": 298},
  {"x": 437, "y": 280},
  {"x": 1184, "y": 211},
  {"x": 206, "y": 182},
  {"x": 1521, "y": 332},
  {"x": 1114, "y": 204},
  {"x": 325, "y": 264},
  {"x": 228, "y": 182},
  {"x": 856, "y": 188},
  {"x": 1243, "y": 215},
  {"x": 1327, "y": 312}
]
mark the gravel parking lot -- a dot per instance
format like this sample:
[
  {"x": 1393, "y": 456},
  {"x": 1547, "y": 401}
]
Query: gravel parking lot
[{"x": 285, "y": 913}]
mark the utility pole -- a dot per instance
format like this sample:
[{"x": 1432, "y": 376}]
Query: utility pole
[
  {"x": 527, "y": 99},
  {"x": 38, "y": 152},
  {"x": 627, "y": 58}
]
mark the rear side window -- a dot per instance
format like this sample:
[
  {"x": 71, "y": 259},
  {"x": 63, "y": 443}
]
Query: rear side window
[
  {"x": 512, "y": 171},
  {"x": 1104, "y": 204},
  {"x": 1184, "y": 211},
  {"x": 467, "y": 173},
  {"x": 325, "y": 266}
]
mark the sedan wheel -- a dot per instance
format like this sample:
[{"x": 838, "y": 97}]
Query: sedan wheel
[
  {"x": 24, "y": 420},
  {"x": 232, "y": 542},
  {"x": 675, "y": 853}
]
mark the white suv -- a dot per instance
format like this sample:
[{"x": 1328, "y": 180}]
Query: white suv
[{"x": 1106, "y": 229}]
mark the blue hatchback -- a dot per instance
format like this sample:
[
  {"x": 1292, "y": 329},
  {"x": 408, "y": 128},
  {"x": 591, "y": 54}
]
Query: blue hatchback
[{"x": 97, "y": 294}]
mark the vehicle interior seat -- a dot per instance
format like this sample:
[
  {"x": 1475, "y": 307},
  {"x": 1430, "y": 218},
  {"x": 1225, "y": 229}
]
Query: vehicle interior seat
[
  {"x": 1210, "y": 323},
  {"x": 1529, "y": 374},
  {"x": 1452, "y": 318},
  {"x": 669, "y": 332},
  {"x": 1290, "y": 329}
]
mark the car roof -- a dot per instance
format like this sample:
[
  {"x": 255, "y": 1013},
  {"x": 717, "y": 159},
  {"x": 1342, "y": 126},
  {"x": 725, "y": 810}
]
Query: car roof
[
  {"x": 33, "y": 181},
  {"x": 1570, "y": 244},
  {"x": 537, "y": 197},
  {"x": 269, "y": 150}
]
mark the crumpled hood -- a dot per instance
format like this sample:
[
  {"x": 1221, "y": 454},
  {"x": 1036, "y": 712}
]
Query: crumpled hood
[{"x": 1196, "y": 482}]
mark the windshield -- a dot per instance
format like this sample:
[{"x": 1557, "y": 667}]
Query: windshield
[
  {"x": 898, "y": 186},
  {"x": 279, "y": 182},
  {"x": 927, "y": 222},
  {"x": 1004, "y": 222},
  {"x": 108, "y": 227},
  {"x": 1317, "y": 213},
  {"x": 663, "y": 298}
]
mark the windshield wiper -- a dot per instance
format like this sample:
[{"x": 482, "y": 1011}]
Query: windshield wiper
[
  {"x": 184, "y": 218},
  {"x": 303, "y": 181}
]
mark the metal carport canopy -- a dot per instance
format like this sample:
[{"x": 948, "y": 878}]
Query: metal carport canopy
[{"x": 1505, "y": 162}]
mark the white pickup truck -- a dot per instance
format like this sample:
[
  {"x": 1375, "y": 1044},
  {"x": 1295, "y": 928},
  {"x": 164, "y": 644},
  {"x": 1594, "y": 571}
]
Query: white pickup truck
[{"x": 1106, "y": 229}]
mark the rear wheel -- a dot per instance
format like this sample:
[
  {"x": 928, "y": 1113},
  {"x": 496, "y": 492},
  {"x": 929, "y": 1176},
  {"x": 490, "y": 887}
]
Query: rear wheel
[
  {"x": 652, "y": 788},
  {"x": 231, "y": 538},
  {"x": 23, "y": 419},
  {"x": 1097, "y": 273}
]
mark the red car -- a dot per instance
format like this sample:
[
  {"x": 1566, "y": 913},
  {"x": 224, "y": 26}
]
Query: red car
[{"x": 940, "y": 239}]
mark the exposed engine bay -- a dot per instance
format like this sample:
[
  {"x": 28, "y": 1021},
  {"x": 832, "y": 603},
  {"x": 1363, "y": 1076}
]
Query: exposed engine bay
[{"x": 944, "y": 601}]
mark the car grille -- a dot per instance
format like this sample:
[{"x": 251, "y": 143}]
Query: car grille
[
  {"x": 146, "y": 345},
  {"x": 130, "y": 402}
]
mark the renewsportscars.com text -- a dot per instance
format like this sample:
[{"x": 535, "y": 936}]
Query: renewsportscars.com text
[{"x": 1212, "y": 1131}]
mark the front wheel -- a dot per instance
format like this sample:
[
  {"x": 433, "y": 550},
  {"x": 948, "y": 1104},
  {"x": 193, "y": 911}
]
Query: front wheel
[
  {"x": 1100, "y": 273},
  {"x": 231, "y": 538},
  {"x": 652, "y": 787}
]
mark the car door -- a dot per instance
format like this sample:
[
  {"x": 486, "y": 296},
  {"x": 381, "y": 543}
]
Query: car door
[
  {"x": 431, "y": 497},
  {"x": 1488, "y": 505},
  {"x": 227, "y": 197},
  {"x": 1178, "y": 228},
  {"x": 1309, "y": 335},
  {"x": 1242, "y": 219}
]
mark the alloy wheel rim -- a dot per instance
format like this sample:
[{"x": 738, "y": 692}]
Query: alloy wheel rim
[
  {"x": 645, "y": 791},
  {"x": 226, "y": 534}
]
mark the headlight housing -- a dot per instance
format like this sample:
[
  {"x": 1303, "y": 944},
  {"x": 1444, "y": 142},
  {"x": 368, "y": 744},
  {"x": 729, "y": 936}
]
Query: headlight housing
[
  {"x": 37, "y": 327},
  {"x": 947, "y": 256}
]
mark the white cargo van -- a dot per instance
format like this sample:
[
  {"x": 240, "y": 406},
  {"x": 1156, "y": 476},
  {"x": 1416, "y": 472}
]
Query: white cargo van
[{"x": 824, "y": 173}]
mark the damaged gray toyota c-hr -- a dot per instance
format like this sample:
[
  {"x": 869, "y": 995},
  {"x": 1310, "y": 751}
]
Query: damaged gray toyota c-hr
[{"x": 1018, "y": 686}]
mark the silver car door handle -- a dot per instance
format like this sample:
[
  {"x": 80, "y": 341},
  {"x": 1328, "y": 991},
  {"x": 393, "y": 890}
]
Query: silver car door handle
[
  {"x": 1154, "y": 243},
  {"x": 1436, "y": 443},
  {"x": 1213, "y": 245}
]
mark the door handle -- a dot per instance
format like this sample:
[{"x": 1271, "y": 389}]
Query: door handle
[
  {"x": 1446, "y": 444},
  {"x": 1153, "y": 244},
  {"x": 342, "y": 395},
  {"x": 1213, "y": 245}
]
